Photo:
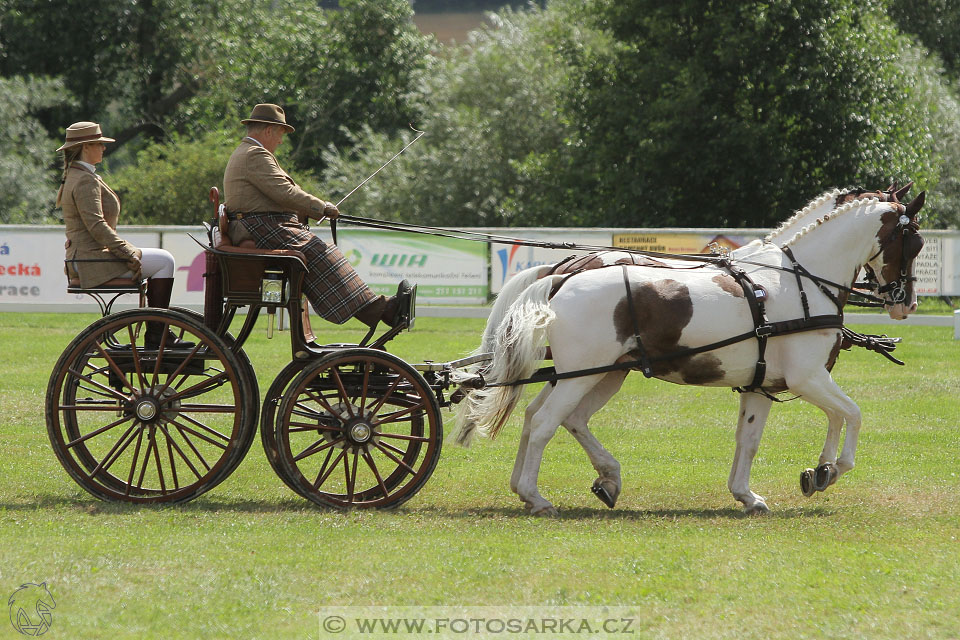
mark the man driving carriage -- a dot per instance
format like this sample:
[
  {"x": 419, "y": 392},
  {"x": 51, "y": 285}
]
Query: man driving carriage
[{"x": 264, "y": 204}]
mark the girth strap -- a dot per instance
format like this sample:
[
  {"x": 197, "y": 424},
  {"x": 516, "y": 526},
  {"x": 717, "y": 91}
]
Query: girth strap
[{"x": 644, "y": 358}]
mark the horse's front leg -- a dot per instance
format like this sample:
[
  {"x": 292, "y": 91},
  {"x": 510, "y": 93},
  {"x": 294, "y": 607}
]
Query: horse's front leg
[
  {"x": 557, "y": 406},
  {"x": 754, "y": 410},
  {"x": 821, "y": 391}
]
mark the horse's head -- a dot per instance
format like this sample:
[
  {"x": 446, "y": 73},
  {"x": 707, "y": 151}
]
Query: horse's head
[
  {"x": 890, "y": 194},
  {"x": 891, "y": 267}
]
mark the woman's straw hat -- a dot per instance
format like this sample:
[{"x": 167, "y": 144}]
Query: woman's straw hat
[{"x": 83, "y": 132}]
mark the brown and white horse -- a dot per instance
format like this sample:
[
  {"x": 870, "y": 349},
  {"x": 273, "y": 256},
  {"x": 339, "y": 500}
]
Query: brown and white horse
[{"x": 589, "y": 323}]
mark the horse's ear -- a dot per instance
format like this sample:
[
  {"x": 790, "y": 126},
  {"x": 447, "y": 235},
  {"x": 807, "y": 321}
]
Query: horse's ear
[
  {"x": 902, "y": 192},
  {"x": 913, "y": 208}
]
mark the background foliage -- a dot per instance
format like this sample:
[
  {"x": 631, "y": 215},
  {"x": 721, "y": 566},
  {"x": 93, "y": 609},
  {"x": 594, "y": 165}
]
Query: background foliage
[{"x": 566, "y": 113}]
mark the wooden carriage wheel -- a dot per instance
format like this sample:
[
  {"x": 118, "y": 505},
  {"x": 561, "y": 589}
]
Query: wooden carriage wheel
[
  {"x": 136, "y": 424},
  {"x": 358, "y": 428}
]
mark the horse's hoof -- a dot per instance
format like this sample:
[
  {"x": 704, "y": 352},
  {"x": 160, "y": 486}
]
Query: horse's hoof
[
  {"x": 602, "y": 493},
  {"x": 757, "y": 509},
  {"x": 548, "y": 511},
  {"x": 807, "y": 484},
  {"x": 825, "y": 475}
]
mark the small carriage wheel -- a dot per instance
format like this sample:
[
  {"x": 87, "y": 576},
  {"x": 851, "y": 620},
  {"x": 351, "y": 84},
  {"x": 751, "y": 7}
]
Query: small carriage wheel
[
  {"x": 136, "y": 424},
  {"x": 269, "y": 412},
  {"x": 358, "y": 428}
]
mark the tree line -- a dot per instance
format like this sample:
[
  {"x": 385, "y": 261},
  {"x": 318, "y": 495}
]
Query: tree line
[{"x": 694, "y": 113}]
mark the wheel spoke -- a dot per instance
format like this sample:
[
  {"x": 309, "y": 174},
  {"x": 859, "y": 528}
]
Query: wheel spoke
[
  {"x": 190, "y": 356},
  {"x": 351, "y": 480},
  {"x": 200, "y": 387},
  {"x": 399, "y": 452},
  {"x": 312, "y": 449},
  {"x": 133, "y": 463},
  {"x": 176, "y": 447},
  {"x": 306, "y": 426},
  {"x": 402, "y": 436},
  {"x": 113, "y": 366},
  {"x": 343, "y": 392},
  {"x": 156, "y": 458},
  {"x": 376, "y": 472},
  {"x": 199, "y": 424},
  {"x": 321, "y": 480},
  {"x": 193, "y": 447},
  {"x": 93, "y": 434},
  {"x": 114, "y": 453},
  {"x": 363, "y": 388},
  {"x": 393, "y": 417},
  {"x": 386, "y": 395},
  {"x": 208, "y": 408},
  {"x": 400, "y": 462},
  {"x": 136, "y": 356},
  {"x": 319, "y": 399},
  {"x": 181, "y": 428},
  {"x": 108, "y": 391},
  {"x": 173, "y": 465}
]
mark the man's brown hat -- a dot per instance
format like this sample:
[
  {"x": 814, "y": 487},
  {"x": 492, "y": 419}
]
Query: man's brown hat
[
  {"x": 270, "y": 114},
  {"x": 83, "y": 132}
]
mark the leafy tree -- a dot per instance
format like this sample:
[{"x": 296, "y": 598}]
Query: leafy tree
[
  {"x": 332, "y": 71},
  {"x": 936, "y": 23},
  {"x": 492, "y": 105},
  {"x": 714, "y": 112},
  {"x": 28, "y": 182},
  {"x": 129, "y": 64}
]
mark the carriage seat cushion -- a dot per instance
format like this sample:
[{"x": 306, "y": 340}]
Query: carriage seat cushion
[
  {"x": 74, "y": 283},
  {"x": 243, "y": 250}
]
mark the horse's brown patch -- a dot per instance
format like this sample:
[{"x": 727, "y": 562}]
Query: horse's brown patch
[
  {"x": 834, "y": 352},
  {"x": 776, "y": 385},
  {"x": 701, "y": 369},
  {"x": 663, "y": 309},
  {"x": 729, "y": 284}
]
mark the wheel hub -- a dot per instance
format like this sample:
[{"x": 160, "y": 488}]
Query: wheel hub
[
  {"x": 147, "y": 409},
  {"x": 360, "y": 432}
]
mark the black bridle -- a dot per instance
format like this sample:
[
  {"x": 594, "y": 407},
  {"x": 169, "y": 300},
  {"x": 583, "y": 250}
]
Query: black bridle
[{"x": 907, "y": 231}]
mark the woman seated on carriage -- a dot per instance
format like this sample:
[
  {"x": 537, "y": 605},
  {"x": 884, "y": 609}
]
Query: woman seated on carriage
[{"x": 95, "y": 254}]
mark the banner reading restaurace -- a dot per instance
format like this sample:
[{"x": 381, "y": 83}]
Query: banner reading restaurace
[{"x": 445, "y": 270}]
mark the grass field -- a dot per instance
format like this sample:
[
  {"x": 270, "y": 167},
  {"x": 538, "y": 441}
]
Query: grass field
[{"x": 876, "y": 556}]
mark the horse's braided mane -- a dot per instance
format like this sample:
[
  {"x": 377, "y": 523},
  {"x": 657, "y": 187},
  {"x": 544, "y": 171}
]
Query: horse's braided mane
[
  {"x": 831, "y": 215},
  {"x": 817, "y": 202}
]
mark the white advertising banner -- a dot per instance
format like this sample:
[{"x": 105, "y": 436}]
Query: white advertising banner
[
  {"x": 928, "y": 267},
  {"x": 31, "y": 264},
  {"x": 445, "y": 270},
  {"x": 507, "y": 260}
]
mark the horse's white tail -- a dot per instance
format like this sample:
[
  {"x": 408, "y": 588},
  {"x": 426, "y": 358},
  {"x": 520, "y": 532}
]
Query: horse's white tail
[
  {"x": 518, "y": 344},
  {"x": 507, "y": 296}
]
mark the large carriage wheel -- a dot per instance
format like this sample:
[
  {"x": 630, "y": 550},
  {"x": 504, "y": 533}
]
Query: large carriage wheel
[
  {"x": 358, "y": 428},
  {"x": 137, "y": 424}
]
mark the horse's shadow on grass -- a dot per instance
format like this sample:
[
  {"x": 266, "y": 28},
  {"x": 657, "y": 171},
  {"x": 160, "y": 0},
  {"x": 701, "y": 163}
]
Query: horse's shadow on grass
[{"x": 205, "y": 504}]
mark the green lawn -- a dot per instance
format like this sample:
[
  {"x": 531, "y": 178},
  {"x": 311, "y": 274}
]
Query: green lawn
[{"x": 876, "y": 556}]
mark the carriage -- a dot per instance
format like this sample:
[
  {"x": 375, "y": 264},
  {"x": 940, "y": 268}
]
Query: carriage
[{"x": 343, "y": 425}]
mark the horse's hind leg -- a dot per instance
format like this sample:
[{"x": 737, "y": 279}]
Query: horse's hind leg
[
  {"x": 556, "y": 408},
  {"x": 754, "y": 410},
  {"x": 607, "y": 486},
  {"x": 531, "y": 409}
]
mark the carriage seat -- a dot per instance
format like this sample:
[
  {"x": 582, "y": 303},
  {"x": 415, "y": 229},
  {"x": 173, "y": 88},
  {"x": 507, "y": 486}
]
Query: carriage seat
[
  {"x": 221, "y": 240},
  {"x": 73, "y": 285}
]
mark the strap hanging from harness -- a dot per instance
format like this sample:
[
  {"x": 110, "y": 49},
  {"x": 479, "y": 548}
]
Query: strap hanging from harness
[{"x": 644, "y": 358}]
